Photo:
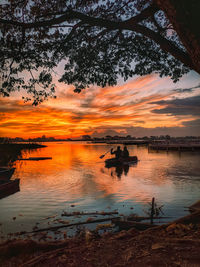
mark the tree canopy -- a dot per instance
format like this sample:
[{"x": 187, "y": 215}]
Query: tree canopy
[{"x": 98, "y": 41}]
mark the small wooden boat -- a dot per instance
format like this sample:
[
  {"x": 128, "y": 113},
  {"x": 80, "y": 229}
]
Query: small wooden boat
[
  {"x": 9, "y": 187},
  {"x": 36, "y": 158},
  {"x": 6, "y": 173},
  {"x": 113, "y": 162}
]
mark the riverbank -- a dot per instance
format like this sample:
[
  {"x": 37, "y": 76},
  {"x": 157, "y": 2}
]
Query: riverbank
[
  {"x": 173, "y": 244},
  {"x": 10, "y": 152}
]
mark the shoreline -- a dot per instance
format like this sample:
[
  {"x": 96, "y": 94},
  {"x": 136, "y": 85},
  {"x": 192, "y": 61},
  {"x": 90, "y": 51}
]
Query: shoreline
[{"x": 181, "y": 237}]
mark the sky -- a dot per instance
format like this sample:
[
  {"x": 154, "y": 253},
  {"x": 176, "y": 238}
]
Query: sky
[{"x": 142, "y": 106}]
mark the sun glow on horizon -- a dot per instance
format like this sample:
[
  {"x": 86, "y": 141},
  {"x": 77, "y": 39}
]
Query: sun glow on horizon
[{"x": 139, "y": 104}]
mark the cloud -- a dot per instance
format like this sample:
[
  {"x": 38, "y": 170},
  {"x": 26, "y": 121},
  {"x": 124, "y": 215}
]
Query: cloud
[
  {"x": 8, "y": 106},
  {"x": 193, "y": 123},
  {"x": 179, "y": 106},
  {"x": 190, "y": 128},
  {"x": 187, "y": 90},
  {"x": 121, "y": 109}
]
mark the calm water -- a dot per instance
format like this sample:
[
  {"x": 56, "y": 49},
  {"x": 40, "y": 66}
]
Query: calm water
[{"x": 77, "y": 180}]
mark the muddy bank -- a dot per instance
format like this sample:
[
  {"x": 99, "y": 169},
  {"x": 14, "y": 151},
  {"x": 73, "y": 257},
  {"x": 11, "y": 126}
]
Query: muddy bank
[{"x": 172, "y": 244}]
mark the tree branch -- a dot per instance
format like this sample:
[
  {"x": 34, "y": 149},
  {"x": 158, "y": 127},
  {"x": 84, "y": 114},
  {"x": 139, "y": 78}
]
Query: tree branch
[
  {"x": 165, "y": 44},
  {"x": 130, "y": 24},
  {"x": 70, "y": 14},
  {"x": 73, "y": 30},
  {"x": 144, "y": 14}
]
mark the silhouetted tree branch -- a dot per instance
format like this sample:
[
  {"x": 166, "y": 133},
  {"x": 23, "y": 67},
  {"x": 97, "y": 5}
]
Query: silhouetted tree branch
[{"x": 102, "y": 41}]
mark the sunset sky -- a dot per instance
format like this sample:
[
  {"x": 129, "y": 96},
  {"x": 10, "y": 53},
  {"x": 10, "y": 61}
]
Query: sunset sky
[{"x": 146, "y": 105}]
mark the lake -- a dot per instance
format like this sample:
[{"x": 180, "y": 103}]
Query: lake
[{"x": 76, "y": 180}]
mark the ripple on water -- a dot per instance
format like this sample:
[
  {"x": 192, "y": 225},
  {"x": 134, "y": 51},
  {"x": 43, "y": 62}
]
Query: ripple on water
[{"x": 76, "y": 180}]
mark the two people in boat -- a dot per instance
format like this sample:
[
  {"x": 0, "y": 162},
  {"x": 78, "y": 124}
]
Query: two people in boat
[{"x": 120, "y": 153}]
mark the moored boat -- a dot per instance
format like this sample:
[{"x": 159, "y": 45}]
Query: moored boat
[
  {"x": 6, "y": 173},
  {"x": 9, "y": 187},
  {"x": 121, "y": 161}
]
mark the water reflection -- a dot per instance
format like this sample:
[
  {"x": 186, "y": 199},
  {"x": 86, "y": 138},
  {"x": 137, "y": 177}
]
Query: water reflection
[
  {"x": 121, "y": 169},
  {"x": 77, "y": 176}
]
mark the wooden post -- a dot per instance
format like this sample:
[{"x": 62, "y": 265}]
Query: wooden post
[{"x": 152, "y": 209}]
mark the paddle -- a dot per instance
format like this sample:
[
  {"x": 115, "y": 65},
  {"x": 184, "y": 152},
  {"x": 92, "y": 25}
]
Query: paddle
[{"x": 102, "y": 156}]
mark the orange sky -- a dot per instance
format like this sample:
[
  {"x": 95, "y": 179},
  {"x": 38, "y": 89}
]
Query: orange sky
[{"x": 128, "y": 108}]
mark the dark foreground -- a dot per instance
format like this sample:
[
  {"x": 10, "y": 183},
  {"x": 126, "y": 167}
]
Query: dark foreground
[{"x": 174, "y": 244}]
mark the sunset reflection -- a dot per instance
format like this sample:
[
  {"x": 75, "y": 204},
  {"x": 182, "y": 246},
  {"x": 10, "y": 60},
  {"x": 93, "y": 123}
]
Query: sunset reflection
[
  {"x": 76, "y": 170},
  {"x": 76, "y": 179}
]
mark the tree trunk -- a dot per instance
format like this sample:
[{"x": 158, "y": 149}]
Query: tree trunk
[{"x": 184, "y": 16}]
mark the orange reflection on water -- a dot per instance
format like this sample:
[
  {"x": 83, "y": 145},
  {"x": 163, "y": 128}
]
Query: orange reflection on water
[
  {"x": 76, "y": 180},
  {"x": 76, "y": 171}
]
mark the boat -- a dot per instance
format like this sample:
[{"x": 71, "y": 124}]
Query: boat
[
  {"x": 113, "y": 162},
  {"x": 8, "y": 187},
  {"x": 6, "y": 173}
]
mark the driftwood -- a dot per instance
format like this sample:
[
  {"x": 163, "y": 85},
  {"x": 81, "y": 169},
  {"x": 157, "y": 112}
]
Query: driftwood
[
  {"x": 75, "y": 213},
  {"x": 141, "y": 218},
  {"x": 126, "y": 225},
  {"x": 54, "y": 228}
]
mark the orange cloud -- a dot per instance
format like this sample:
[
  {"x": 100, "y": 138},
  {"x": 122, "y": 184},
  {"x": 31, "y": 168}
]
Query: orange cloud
[{"x": 72, "y": 115}]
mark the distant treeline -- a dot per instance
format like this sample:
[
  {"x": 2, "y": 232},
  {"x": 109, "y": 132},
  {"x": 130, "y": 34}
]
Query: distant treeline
[
  {"x": 43, "y": 138},
  {"x": 8, "y": 140}
]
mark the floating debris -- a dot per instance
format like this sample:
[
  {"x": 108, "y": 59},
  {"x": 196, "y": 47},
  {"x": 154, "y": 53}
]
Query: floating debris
[
  {"x": 75, "y": 213},
  {"x": 62, "y": 221},
  {"x": 50, "y": 217}
]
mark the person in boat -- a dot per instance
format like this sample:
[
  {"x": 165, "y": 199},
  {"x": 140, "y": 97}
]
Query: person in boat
[
  {"x": 125, "y": 152},
  {"x": 118, "y": 152}
]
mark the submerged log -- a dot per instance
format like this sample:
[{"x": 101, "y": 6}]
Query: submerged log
[
  {"x": 142, "y": 218},
  {"x": 75, "y": 213},
  {"x": 193, "y": 218},
  {"x": 195, "y": 207},
  {"x": 126, "y": 225},
  {"x": 54, "y": 228}
]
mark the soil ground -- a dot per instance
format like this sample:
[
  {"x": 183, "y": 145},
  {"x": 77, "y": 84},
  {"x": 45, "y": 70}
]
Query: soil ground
[{"x": 174, "y": 244}]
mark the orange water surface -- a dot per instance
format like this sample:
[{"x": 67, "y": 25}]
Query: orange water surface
[{"x": 76, "y": 179}]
